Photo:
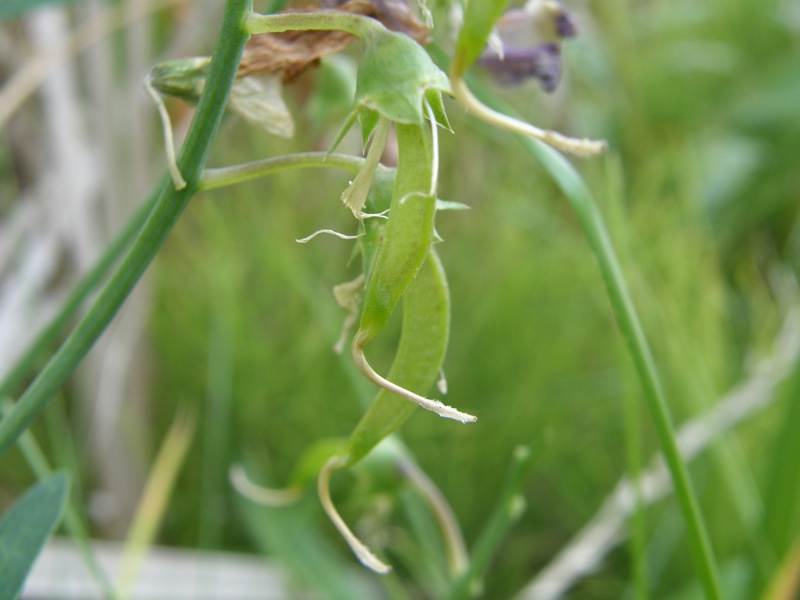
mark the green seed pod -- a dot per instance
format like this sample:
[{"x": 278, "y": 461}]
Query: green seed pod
[
  {"x": 409, "y": 231},
  {"x": 423, "y": 343}
]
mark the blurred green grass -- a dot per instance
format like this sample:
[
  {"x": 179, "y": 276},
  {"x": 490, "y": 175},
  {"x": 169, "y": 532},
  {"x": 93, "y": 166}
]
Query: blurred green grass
[{"x": 700, "y": 193}]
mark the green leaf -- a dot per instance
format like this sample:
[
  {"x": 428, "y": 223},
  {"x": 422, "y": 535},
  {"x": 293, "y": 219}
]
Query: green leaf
[
  {"x": 436, "y": 104},
  {"x": 479, "y": 18},
  {"x": 25, "y": 528},
  {"x": 368, "y": 119},
  {"x": 395, "y": 76},
  {"x": 351, "y": 118}
]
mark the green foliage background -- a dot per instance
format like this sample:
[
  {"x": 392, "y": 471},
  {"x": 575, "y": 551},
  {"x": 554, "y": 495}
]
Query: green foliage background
[{"x": 700, "y": 190}]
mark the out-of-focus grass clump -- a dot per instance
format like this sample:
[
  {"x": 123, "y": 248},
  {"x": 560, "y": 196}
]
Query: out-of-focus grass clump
[{"x": 698, "y": 102}]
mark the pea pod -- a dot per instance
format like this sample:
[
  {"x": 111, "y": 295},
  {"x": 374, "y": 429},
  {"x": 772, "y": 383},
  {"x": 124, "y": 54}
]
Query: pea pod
[
  {"x": 423, "y": 343},
  {"x": 405, "y": 266},
  {"x": 405, "y": 245},
  {"x": 408, "y": 234},
  {"x": 419, "y": 358}
]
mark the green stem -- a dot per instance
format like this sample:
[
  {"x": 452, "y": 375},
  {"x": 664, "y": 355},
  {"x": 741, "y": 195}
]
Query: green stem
[
  {"x": 168, "y": 208},
  {"x": 25, "y": 363},
  {"x": 360, "y": 26},
  {"x": 585, "y": 207},
  {"x": 225, "y": 176},
  {"x": 507, "y": 511}
]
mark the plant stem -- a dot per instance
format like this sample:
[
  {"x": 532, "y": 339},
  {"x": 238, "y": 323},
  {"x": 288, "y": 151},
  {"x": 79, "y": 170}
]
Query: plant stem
[
  {"x": 574, "y": 146},
  {"x": 360, "y": 26},
  {"x": 168, "y": 208},
  {"x": 225, "y": 176}
]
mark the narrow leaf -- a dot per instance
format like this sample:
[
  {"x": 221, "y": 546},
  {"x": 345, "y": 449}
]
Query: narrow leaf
[{"x": 25, "y": 528}]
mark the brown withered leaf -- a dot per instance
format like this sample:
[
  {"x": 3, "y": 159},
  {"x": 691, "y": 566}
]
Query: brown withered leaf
[{"x": 293, "y": 52}]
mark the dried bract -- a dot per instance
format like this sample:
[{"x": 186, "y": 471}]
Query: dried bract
[{"x": 293, "y": 52}]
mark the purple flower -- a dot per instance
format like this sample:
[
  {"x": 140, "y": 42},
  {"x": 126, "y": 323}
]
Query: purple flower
[
  {"x": 518, "y": 64},
  {"x": 530, "y": 44},
  {"x": 565, "y": 24}
]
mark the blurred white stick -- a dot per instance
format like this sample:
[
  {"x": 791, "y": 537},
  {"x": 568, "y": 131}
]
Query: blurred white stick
[{"x": 583, "y": 555}]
